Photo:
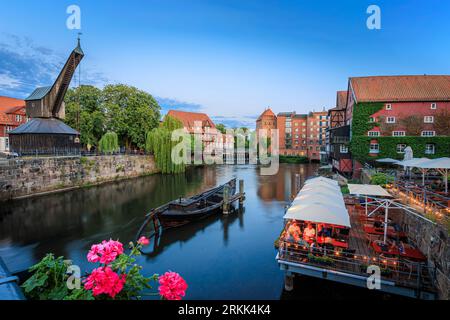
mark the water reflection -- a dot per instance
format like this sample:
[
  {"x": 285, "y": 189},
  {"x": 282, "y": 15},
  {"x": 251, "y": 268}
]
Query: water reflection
[{"x": 221, "y": 257}]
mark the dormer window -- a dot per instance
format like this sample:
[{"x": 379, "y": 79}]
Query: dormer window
[
  {"x": 390, "y": 120},
  {"x": 388, "y": 106}
]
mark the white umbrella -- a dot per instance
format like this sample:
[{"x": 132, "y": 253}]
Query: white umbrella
[
  {"x": 442, "y": 165},
  {"x": 317, "y": 213},
  {"x": 387, "y": 160}
]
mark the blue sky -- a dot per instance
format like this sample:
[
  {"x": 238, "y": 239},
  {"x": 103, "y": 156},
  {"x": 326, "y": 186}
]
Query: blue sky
[{"x": 230, "y": 58}]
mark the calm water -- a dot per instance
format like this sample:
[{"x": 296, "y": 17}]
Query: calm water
[{"x": 223, "y": 257}]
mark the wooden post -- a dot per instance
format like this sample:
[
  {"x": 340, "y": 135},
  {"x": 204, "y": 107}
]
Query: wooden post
[
  {"x": 289, "y": 282},
  {"x": 241, "y": 192},
  {"x": 297, "y": 184},
  {"x": 226, "y": 199}
]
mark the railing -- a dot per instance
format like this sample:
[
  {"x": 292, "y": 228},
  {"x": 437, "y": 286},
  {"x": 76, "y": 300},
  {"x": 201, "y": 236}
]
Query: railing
[
  {"x": 424, "y": 200},
  {"x": 403, "y": 273}
]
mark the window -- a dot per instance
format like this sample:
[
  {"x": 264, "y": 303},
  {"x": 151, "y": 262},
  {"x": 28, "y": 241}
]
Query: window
[
  {"x": 374, "y": 148},
  {"x": 398, "y": 133},
  {"x": 296, "y": 124},
  {"x": 401, "y": 148},
  {"x": 18, "y": 118},
  {"x": 390, "y": 120},
  {"x": 372, "y": 119},
  {"x": 428, "y": 119},
  {"x": 344, "y": 149},
  {"x": 433, "y": 106},
  {"x": 430, "y": 148},
  {"x": 428, "y": 133},
  {"x": 389, "y": 107},
  {"x": 374, "y": 133},
  {"x": 7, "y": 143}
]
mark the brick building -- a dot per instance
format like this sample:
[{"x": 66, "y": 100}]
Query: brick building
[
  {"x": 400, "y": 111},
  {"x": 12, "y": 115},
  {"x": 299, "y": 134}
]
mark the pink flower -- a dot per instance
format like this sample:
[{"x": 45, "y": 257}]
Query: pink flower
[
  {"x": 105, "y": 252},
  {"x": 172, "y": 286},
  {"x": 105, "y": 281},
  {"x": 144, "y": 241}
]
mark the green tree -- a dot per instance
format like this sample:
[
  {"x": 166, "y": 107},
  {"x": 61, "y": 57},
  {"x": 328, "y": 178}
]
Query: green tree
[
  {"x": 159, "y": 142},
  {"x": 221, "y": 128},
  {"x": 130, "y": 112},
  {"x": 109, "y": 143},
  {"x": 84, "y": 113}
]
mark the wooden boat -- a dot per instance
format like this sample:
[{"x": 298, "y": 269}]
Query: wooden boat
[{"x": 182, "y": 211}]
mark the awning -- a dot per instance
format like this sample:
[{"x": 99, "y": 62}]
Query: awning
[
  {"x": 413, "y": 162},
  {"x": 320, "y": 201},
  {"x": 387, "y": 160},
  {"x": 322, "y": 179},
  {"x": 319, "y": 213},
  {"x": 368, "y": 190}
]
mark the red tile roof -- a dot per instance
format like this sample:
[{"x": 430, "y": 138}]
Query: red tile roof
[
  {"x": 189, "y": 119},
  {"x": 7, "y": 103},
  {"x": 5, "y": 120},
  {"x": 401, "y": 88},
  {"x": 268, "y": 112},
  {"x": 341, "y": 101}
]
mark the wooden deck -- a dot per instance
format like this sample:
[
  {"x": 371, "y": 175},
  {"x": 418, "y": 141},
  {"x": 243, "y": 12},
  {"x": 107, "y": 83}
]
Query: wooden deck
[{"x": 358, "y": 240}]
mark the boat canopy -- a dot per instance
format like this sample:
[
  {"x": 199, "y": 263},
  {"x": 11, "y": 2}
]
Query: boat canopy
[
  {"x": 368, "y": 190},
  {"x": 320, "y": 201}
]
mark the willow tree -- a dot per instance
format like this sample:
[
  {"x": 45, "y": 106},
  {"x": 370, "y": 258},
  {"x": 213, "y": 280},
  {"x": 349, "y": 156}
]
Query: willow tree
[
  {"x": 159, "y": 142},
  {"x": 109, "y": 143}
]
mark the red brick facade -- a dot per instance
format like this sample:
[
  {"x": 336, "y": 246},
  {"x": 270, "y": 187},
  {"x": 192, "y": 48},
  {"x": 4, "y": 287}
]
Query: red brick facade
[
  {"x": 12, "y": 115},
  {"x": 299, "y": 134}
]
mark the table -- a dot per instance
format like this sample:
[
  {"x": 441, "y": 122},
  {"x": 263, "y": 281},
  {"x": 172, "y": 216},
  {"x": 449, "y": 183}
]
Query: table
[
  {"x": 409, "y": 252},
  {"x": 334, "y": 242}
]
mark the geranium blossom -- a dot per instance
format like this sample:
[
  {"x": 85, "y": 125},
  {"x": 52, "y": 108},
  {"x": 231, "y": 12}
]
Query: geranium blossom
[
  {"x": 144, "y": 241},
  {"x": 105, "y": 252},
  {"x": 172, "y": 286},
  {"x": 105, "y": 281}
]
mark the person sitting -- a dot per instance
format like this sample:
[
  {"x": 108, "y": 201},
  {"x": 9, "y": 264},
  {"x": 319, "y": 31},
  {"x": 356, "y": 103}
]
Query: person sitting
[
  {"x": 323, "y": 231},
  {"x": 294, "y": 233},
  {"x": 309, "y": 233}
]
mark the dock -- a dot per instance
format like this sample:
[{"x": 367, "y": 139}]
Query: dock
[{"x": 354, "y": 266}]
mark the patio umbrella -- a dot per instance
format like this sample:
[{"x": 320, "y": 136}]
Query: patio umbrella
[
  {"x": 387, "y": 160},
  {"x": 442, "y": 165},
  {"x": 415, "y": 163}
]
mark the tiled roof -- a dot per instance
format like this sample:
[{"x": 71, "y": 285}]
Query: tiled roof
[
  {"x": 267, "y": 113},
  {"x": 341, "y": 101},
  {"x": 7, "y": 103},
  {"x": 189, "y": 119},
  {"x": 4, "y": 119},
  {"x": 401, "y": 88}
]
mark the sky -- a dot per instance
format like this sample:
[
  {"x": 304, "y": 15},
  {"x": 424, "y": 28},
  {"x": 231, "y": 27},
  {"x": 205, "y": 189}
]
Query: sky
[{"x": 228, "y": 58}]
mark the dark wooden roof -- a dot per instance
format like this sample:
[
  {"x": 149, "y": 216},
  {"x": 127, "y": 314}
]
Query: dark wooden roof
[{"x": 44, "y": 126}]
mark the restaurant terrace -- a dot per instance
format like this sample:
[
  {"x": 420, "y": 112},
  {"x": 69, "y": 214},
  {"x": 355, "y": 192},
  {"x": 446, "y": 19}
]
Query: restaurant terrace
[{"x": 329, "y": 236}]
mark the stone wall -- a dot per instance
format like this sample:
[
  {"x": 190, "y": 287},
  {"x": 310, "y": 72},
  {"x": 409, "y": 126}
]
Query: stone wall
[
  {"x": 27, "y": 177},
  {"x": 433, "y": 240}
]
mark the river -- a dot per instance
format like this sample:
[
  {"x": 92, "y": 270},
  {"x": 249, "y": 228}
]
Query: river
[{"x": 222, "y": 257}]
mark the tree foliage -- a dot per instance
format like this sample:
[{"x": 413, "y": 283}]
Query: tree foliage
[
  {"x": 159, "y": 142},
  {"x": 129, "y": 112},
  {"x": 442, "y": 123},
  {"x": 413, "y": 125},
  {"x": 109, "y": 143}
]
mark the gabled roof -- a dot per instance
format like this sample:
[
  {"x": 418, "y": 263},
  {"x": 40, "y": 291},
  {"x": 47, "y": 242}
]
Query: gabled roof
[
  {"x": 39, "y": 93},
  {"x": 401, "y": 88},
  {"x": 341, "y": 99},
  {"x": 44, "y": 126},
  {"x": 189, "y": 118},
  {"x": 4, "y": 119},
  {"x": 7, "y": 103},
  {"x": 267, "y": 113}
]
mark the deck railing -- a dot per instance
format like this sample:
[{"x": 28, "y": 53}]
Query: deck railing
[{"x": 403, "y": 273}]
